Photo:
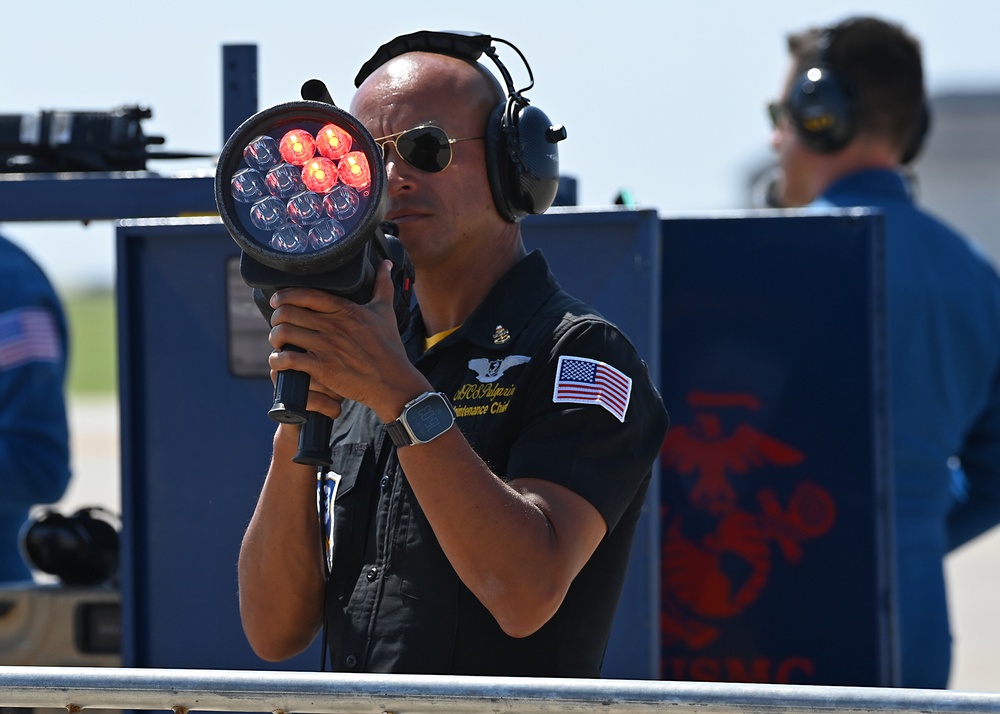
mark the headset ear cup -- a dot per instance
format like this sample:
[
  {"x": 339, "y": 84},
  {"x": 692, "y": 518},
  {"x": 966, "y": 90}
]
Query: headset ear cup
[
  {"x": 536, "y": 158},
  {"x": 916, "y": 144},
  {"x": 498, "y": 165},
  {"x": 821, "y": 107},
  {"x": 522, "y": 159}
]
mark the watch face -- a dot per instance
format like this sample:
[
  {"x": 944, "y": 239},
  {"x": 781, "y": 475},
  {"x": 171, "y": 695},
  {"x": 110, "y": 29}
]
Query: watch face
[{"x": 429, "y": 417}]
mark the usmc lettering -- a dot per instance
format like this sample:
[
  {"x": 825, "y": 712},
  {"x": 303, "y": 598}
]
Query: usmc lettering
[{"x": 792, "y": 670}]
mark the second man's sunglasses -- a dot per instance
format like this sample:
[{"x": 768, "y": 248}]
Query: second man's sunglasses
[{"x": 427, "y": 148}]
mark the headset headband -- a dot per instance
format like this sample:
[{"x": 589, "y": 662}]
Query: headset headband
[{"x": 463, "y": 45}]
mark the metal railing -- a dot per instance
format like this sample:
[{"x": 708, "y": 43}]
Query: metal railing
[{"x": 183, "y": 690}]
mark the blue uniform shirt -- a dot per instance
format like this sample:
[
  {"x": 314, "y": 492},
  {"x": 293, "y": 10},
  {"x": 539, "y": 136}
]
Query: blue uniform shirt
[
  {"x": 943, "y": 300},
  {"x": 34, "y": 437}
]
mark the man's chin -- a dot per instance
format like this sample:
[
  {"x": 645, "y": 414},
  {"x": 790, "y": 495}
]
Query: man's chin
[
  {"x": 413, "y": 239},
  {"x": 782, "y": 197}
]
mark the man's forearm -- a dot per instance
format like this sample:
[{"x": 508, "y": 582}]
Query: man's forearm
[{"x": 281, "y": 577}]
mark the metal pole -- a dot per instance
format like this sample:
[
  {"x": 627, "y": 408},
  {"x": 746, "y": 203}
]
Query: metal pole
[
  {"x": 239, "y": 86},
  {"x": 287, "y": 692}
]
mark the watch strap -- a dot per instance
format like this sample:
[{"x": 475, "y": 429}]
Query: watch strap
[{"x": 398, "y": 433}]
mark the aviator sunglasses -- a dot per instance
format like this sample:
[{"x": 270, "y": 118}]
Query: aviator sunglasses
[
  {"x": 775, "y": 111},
  {"x": 426, "y": 148}
]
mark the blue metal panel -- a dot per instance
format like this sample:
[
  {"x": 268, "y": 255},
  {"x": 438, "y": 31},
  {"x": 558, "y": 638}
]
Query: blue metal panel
[
  {"x": 775, "y": 477},
  {"x": 195, "y": 447},
  {"x": 105, "y": 196},
  {"x": 196, "y": 438}
]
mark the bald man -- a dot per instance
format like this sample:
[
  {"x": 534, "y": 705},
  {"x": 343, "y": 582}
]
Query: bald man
[{"x": 498, "y": 545}]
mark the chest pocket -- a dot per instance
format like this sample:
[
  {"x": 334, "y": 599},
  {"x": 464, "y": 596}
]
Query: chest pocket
[
  {"x": 424, "y": 572},
  {"x": 352, "y": 513}
]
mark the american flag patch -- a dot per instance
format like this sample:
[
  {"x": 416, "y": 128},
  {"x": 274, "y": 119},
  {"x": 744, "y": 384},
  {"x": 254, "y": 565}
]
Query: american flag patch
[
  {"x": 28, "y": 334},
  {"x": 587, "y": 381}
]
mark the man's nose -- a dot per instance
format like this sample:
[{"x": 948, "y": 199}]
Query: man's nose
[
  {"x": 776, "y": 138},
  {"x": 397, "y": 173}
]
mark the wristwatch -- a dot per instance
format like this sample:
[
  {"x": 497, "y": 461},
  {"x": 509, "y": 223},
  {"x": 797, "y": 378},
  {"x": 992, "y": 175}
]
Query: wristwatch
[{"x": 423, "y": 419}]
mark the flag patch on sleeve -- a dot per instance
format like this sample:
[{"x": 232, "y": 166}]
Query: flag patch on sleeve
[
  {"x": 28, "y": 335},
  {"x": 586, "y": 381}
]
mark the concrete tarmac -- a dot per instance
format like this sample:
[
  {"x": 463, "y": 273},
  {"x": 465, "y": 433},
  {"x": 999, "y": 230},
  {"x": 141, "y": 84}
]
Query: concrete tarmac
[{"x": 973, "y": 571}]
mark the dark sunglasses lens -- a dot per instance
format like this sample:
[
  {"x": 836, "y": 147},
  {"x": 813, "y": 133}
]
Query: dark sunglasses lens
[
  {"x": 425, "y": 148},
  {"x": 774, "y": 111}
]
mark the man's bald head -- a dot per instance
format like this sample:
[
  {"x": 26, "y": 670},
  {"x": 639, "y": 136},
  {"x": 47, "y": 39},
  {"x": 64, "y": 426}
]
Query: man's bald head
[{"x": 431, "y": 79}]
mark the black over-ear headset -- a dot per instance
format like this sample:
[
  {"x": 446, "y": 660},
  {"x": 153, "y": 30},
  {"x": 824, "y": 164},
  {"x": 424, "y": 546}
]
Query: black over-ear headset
[
  {"x": 822, "y": 103},
  {"x": 80, "y": 549},
  {"x": 823, "y": 106},
  {"x": 522, "y": 157}
]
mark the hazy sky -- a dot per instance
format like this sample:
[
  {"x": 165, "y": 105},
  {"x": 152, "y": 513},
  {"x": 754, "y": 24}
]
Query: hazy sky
[{"x": 662, "y": 98}]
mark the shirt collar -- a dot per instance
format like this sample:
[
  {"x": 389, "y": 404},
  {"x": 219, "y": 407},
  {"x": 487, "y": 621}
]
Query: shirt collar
[
  {"x": 505, "y": 311},
  {"x": 874, "y": 185}
]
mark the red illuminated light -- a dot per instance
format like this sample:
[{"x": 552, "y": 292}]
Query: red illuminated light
[
  {"x": 333, "y": 142},
  {"x": 354, "y": 170},
  {"x": 297, "y": 147},
  {"x": 319, "y": 175}
]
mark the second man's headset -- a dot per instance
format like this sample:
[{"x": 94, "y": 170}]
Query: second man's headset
[
  {"x": 522, "y": 157},
  {"x": 823, "y": 106}
]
